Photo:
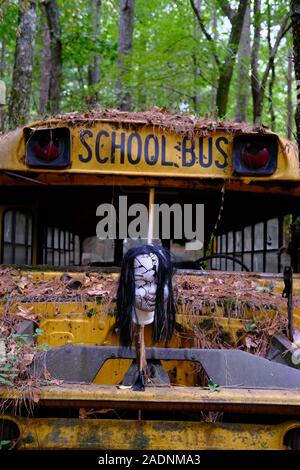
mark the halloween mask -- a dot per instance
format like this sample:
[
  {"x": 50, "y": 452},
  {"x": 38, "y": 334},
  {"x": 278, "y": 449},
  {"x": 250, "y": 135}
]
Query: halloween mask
[{"x": 145, "y": 293}]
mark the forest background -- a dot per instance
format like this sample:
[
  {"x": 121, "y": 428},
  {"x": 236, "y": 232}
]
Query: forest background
[{"x": 226, "y": 59}]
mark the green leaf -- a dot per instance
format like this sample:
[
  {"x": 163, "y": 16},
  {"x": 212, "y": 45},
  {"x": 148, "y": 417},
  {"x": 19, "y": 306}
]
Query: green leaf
[
  {"x": 6, "y": 382},
  {"x": 212, "y": 386},
  {"x": 39, "y": 332},
  {"x": 250, "y": 327},
  {"x": 91, "y": 312},
  {"x": 20, "y": 339},
  {"x": 4, "y": 443},
  {"x": 8, "y": 375},
  {"x": 8, "y": 367}
]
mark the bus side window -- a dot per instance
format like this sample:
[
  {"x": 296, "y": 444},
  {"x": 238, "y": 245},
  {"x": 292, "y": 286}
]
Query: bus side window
[
  {"x": 77, "y": 250},
  {"x": 272, "y": 242},
  {"x": 238, "y": 249},
  {"x": 186, "y": 251},
  {"x": 258, "y": 256},
  {"x": 284, "y": 251},
  {"x": 61, "y": 248},
  {"x": 95, "y": 250},
  {"x": 17, "y": 237},
  {"x": 247, "y": 253}
]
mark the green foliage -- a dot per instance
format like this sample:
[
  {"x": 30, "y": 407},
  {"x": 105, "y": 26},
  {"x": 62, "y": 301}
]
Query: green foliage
[
  {"x": 38, "y": 332},
  {"x": 250, "y": 327},
  {"x": 213, "y": 387},
  {"x": 4, "y": 443},
  {"x": 171, "y": 64},
  {"x": 20, "y": 339},
  {"x": 91, "y": 312},
  {"x": 9, "y": 371}
]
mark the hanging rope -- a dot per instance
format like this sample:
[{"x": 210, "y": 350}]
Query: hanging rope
[{"x": 217, "y": 221}]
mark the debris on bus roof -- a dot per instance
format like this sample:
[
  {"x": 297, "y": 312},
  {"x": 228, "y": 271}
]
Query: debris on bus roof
[{"x": 159, "y": 117}]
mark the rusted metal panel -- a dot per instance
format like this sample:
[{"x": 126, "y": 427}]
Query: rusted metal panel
[
  {"x": 281, "y": 402},
  {"x": 245, "y": 184},
  {"x": 227, "y": 368},
  {"x": 68, "y": 433}
]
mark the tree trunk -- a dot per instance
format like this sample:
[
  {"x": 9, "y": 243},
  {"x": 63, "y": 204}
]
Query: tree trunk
[
  {"x": 56, "y": 55},
  {"x": 272, "y": 68},
  {"x": 242, "y": 98},
  {"x": 255, "y": 82},
  {"x": 289, "y": 96},
  {"x": 94, "y": 66},
  {"x": 2, "y": 68},
  {"x": 271, "y": 104},
  {"x": 124, "y": 98},
  {"x": 226, "y": 68},
  {"x": 258, "y": 87},
  {"x": 45, "y": 65},
  {"x": 22, "y": 74},
  {"x": 295, "y": 15},
  {"x": 2, "y": 59}
]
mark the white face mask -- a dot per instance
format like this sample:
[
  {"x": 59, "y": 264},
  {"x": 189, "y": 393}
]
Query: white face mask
[{"x": 145, "y": 276}]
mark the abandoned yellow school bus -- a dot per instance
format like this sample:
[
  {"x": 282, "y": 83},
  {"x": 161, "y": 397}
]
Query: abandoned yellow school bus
[{"x": 229, "y": 377}]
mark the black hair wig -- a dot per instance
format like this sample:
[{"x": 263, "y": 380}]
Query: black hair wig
[{"x": 165, "y": 311}]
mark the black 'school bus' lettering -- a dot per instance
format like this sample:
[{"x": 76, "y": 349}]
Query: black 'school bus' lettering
[
  {"x": 82, "y": 134},
  {"x": 98, "y": 139},
  {"x": 222, "y": 152},
  {"x": 188, "y": 150},
  {"x": 139, "y": 148},
  {"x": 202, "y": 157},
  {"x": 151, "y": 159},
  {"x": 151, "y": 147},
  {"x": 164, "y": 162},
  {"x": 115, "y": 146}
]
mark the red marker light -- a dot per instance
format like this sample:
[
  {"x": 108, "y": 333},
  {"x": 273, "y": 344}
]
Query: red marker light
[
  {"x": 48, "y": 147},
  {"x": 47, "y": 153},
  {"x": 255, "y": 156}
]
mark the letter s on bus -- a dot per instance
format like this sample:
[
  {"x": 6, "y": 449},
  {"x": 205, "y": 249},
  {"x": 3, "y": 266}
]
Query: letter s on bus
[{"x": 88, "y": 158}]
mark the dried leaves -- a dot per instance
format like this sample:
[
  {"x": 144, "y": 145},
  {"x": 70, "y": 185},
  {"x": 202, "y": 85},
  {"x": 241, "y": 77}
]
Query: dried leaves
[
  {"x": 202, "y": 299},
  {"x": 159, "y": 117},
  {"x": 232, "y": 292},
  {"x": 17, "y": 290},
  {"x": 17, "y": 286}
]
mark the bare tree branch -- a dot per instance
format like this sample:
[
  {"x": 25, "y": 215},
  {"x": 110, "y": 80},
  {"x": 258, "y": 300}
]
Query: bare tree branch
[
  {"x": 255, "y": 86},
  {"x": 259, "y": 86},
  {"x": 204, "y": 30},
  {"x": 178, "y": 92},
  {"x": 227, "y": 67},
  {"x": 282, "y": 31}
]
